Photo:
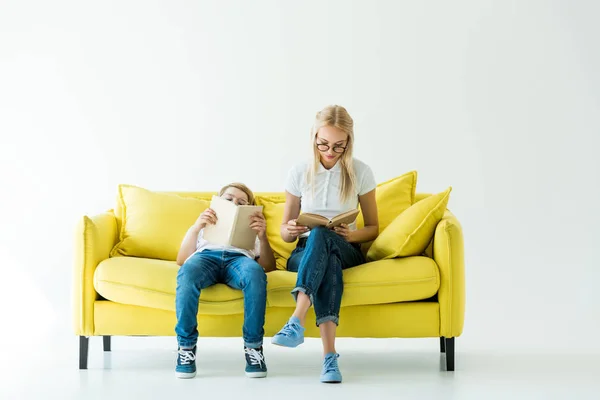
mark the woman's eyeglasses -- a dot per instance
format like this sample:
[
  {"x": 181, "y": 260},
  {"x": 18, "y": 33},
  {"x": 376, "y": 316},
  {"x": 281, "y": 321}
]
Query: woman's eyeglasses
[{"x": 336, "y": 149}]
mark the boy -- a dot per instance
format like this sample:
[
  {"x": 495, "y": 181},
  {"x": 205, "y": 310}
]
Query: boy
[{"x": 203, "y": 264}]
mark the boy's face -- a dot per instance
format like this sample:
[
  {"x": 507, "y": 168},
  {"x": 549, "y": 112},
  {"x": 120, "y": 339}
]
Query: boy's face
[{"x": 238, "y": 197}]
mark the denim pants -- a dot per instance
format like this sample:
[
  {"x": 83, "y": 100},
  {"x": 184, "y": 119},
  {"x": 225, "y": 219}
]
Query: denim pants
[
  {"x": 235, "y": 270},
  {"x": 319, "y": 261}
]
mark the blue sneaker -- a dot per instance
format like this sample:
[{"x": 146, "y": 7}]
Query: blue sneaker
[
  {"x": 291, "y": 335},
  {"x": 256, "y": 367},
  {"x": 186, "y": 363},
  {"x": 331, "y": 372}
]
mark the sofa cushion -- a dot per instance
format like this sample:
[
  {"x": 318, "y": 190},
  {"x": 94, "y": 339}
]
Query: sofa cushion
[
  {"x": 153, "y": 224},
  {"x": 411, "y": 232},
  {"x": 151, "y": 283},
  {"x": 273, "y": 213},
  {"x": 393, "y": 197},
  {"x": 379, "y": 282}
]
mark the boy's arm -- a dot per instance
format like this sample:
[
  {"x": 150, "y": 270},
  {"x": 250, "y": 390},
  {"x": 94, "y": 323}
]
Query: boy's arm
[
  {"x": 188, "y": 246},
  {"x": 266, "y": 258}
]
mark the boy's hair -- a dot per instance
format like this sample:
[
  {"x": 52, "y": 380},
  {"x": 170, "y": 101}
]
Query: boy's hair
[{"x": 241, "y": 187}]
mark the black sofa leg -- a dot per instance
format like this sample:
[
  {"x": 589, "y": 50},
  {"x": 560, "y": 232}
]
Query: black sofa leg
[
  {"x": 83, "y": 351},
  {"x": 449, "y": 354},
  {"x": 442, "y": 344},
  {"x": 106, "y": 342}
]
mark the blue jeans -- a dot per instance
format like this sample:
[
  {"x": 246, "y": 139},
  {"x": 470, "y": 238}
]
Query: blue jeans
[
  {"x": 319, "y": 261},
  {"x": 236, "y": 270}
]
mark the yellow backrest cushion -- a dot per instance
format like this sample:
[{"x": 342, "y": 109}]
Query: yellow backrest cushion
[
  {"x": 393, "y": 197},
  {"x": 273, "y": 212},
  {"x": 153, "y": 224},
  {"x": 410, "y": 233}
]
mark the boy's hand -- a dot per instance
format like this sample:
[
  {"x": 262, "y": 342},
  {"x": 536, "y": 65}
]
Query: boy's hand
[
  {"x": 259, "y": 224},
  {"x": 208, "y": 216}
]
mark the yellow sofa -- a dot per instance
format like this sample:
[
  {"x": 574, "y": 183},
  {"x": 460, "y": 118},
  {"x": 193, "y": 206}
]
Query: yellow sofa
[{"x": 396, "y": 298}]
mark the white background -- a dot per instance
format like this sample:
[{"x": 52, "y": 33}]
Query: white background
[{"x": 499, "y": 99}]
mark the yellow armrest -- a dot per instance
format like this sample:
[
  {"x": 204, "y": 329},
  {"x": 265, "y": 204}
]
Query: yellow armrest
[
  {"x": 95, "y": 238},
  {"x": 448, "y": 253}
]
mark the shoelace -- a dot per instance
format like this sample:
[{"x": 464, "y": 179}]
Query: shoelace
[
  {"x": 289, "y": 329},
  {"x": 256, "y": 357},
  {"x": 331, "y": 364},
  {"x": 186, "y": 356}
]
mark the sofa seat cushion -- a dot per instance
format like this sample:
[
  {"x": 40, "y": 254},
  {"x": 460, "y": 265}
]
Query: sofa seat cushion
[
  {"x": 378, "y": 282},
  {"x": 151, "y": 283}
]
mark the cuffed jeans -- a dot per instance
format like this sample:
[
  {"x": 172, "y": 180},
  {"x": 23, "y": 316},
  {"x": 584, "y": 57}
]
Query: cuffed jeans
[{"x": 319, "y": 261}]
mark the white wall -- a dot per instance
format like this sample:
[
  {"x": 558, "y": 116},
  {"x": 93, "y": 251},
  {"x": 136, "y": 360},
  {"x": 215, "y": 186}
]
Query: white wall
[{"x": 499, "y": 99}]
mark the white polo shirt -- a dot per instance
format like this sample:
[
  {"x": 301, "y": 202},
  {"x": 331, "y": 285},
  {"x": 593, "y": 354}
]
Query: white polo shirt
[{"x": 326, "y": 200}]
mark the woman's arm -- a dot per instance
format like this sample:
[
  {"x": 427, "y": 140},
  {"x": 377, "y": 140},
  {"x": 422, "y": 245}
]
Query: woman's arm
[
  {"x": 368, "y": 205},
  {"x": 289, "y": 230}
]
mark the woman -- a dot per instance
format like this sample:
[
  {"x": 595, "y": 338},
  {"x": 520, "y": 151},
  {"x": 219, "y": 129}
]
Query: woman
[
  {"x": 203, "y": 264},
  {"x": 331, "y": 184}
]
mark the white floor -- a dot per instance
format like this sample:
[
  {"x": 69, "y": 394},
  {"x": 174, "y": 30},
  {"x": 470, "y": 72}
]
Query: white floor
[{"x": 143, "y": 368}]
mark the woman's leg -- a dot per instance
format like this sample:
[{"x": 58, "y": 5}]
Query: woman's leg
[
  {"x": 327, "y": 330},
  {"x": 302, "y": 300},
  {"x": 328, "y": 299}
]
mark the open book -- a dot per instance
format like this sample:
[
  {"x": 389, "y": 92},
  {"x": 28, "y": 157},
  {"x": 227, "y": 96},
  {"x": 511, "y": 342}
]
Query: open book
[
  {"x": 233, "y": 225},
  {"x": 312, "y": 220}
]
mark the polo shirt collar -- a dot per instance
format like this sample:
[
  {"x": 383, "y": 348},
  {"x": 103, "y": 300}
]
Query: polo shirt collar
[{"x": 335, "y": 168}]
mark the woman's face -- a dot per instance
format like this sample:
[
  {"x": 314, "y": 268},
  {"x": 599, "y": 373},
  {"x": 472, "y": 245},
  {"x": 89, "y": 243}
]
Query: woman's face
[
  {"x": 331, "y": 143},
  {"x": 237, "y": 196}
]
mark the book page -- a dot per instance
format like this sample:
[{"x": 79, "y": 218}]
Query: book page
[
  {"x": 344, "y": 218},
  {"x": 243, "y": 236},
  {"x": 226, "y": 215},
  {"x": 312, "y": 220}
]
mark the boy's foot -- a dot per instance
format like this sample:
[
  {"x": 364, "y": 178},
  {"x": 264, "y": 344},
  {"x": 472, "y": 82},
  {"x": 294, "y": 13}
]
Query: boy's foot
[
  {"x": 331, "y": 372},
  {"x": 186, "y": 363},
  {"x": 291, "y": 335},
  {"x": 256, "y": 367}
]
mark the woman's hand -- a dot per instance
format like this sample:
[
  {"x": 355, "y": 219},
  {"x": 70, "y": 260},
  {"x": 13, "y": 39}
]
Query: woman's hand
[
  {"x": 343, "y": 231},
  {"x": 208, "y": 216},
  {"x": 295, "y": 230},
  {"x": 259, "y": 224}
]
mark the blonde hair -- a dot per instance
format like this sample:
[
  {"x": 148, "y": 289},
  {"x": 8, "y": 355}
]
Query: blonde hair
[
  {"x": 338, "y": 117},
  {"x": 243, "y": 188}
]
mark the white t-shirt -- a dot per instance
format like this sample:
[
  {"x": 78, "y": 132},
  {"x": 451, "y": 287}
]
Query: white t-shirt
[
  {"x": 202, "y": 245},
  {"x": 326, "y": 200}
]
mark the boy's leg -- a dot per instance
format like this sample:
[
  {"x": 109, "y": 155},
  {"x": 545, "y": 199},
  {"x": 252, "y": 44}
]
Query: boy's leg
[
  {"x": 247, "y": 275},
  {"x": 199, "y": 272}
]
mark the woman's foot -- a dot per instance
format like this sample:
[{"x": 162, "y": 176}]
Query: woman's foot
[
  {"x": 331, "y": 372},
  {"x": 291, "y": 335}
]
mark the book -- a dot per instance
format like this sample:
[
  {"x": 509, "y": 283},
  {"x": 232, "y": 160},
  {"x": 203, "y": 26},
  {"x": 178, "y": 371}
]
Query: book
[
  {"x": 233, "y": 225},
  {"x": 313, "y": 220}
]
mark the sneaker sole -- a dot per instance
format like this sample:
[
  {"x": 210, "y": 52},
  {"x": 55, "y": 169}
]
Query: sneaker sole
[
  {"x": 331, "y": 381},
  {"x": 185, "y": 375},
  {"x": 261, "y": 374},
  {"x": 286, "y": 345}
]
